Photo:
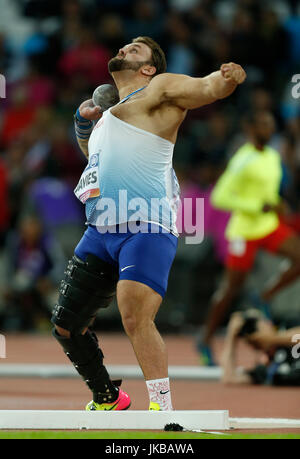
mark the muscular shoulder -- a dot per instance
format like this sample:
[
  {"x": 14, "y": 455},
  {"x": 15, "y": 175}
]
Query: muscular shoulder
[
  {"x": 164, "y": 79},
  {"x": 165, "y": 82},
  {"x": 163, "y": 87}
]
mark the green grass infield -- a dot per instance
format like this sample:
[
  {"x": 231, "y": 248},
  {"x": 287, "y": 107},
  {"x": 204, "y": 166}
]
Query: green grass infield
[{"x": 136, "y": 435}]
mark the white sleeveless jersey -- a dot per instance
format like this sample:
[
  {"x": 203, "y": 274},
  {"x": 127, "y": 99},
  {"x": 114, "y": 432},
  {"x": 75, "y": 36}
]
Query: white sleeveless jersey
[{"x": 129, "y": 176}]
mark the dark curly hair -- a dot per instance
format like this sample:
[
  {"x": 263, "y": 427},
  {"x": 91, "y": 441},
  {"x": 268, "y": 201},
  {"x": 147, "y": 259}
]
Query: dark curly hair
[{"x": 158, "y": 56}]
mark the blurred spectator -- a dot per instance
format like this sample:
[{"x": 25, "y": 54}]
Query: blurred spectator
[
  {"x": 111, "y": 32},
  {"x": 146, "y": 18},
  {"x": 69, "y": 160},
  {"x": 40, "y": 88},
  {"x": 34, "y": 265},
  {"x": 38, "y": 9},
  {"x": 4, "y": 202},
  {"x": 74, "y": 14},
  {"x": 182, "y": 5},
  {"x": 15, "y": 178},
  {"x": 199, "y": 186},
  {"x": 292, "y": 26},
  {"x": 273, "y": 44},
  {"x": 212, "y": 138},
  {"x": 18, "y": 116},
  {"x": 88, "y": 59},
  {"x": 260, "y": 98},
  {"x": 244, "y": 40},
  {"x": 5, "y": 55},
  {"x": 54, "y": 203},
  {"x": 181, "y": 58}
]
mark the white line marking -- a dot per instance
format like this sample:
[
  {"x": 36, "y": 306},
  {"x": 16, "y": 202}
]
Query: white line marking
[
  {"x": 38, "y": 370},
  {"x": 264, "y": 423},
  {"x": 55, "y": 419}
]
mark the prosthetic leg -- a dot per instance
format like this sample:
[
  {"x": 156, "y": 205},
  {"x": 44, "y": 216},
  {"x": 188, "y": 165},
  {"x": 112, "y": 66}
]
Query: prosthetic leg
[{"x": 87, "y": 287}]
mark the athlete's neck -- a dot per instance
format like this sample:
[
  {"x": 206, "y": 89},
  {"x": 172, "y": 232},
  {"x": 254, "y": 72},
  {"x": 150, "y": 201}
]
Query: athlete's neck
[
  {"x": 260, "y": 146},
  {"x": 123, "y": 92},
  {"x": 128, "y": 85}
]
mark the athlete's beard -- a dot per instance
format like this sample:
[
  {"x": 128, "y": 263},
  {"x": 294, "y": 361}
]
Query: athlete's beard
[{"x": 116, "y": 64}]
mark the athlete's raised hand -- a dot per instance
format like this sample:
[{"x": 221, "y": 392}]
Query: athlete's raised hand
[
  {"x": 89, "y": 111},
  {"x": 233, "y": 72}
]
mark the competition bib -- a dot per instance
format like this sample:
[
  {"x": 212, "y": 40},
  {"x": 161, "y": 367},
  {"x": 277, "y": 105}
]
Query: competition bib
[{"x": 88, "y": 185}]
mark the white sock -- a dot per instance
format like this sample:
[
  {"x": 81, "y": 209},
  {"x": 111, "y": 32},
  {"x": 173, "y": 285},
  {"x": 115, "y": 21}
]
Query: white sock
[{"x": 159, "y": 392}]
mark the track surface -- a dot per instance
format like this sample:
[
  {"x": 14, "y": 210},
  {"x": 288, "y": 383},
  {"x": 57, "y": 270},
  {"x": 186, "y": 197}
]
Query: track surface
[{"x": 71, "y": 394}]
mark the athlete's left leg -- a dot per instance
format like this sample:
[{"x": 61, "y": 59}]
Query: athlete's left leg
[
  {"x": 138, "y": 305},
  {"x": 289, "y": 248},
  {"x": 145, "y": 261}
]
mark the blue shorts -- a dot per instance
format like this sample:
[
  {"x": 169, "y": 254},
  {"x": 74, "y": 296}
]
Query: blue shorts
[{"x": 142, "y": 257}]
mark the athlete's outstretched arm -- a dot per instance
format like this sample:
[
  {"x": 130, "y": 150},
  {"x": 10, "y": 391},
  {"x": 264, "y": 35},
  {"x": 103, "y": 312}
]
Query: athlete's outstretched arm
[
  {"x": 85, "y": 115},
  {"x": 189, "y": 93}
]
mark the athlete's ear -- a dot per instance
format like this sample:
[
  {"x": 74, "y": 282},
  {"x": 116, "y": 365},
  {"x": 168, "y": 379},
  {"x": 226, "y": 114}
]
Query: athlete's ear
[{"x": 148, "y": 70}]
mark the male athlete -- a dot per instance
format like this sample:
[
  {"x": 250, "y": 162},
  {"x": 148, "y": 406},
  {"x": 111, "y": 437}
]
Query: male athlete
[
  {"x": 130, "y": 156},
  {"x": 249, "y": 188}
]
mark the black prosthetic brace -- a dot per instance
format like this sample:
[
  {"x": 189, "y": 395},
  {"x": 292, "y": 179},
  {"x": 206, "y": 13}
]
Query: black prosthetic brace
[
  {"x": 87, "y": 358},
  {"x": 87, "y": 287}
]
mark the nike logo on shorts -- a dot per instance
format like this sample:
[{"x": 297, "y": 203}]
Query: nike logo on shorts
[
  {"x": 126, "y": 267},
  {"x": 163, "y": 393}
]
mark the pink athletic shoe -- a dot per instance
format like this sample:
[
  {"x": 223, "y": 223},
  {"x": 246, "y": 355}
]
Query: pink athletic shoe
[{"x": 123, "y": 402}]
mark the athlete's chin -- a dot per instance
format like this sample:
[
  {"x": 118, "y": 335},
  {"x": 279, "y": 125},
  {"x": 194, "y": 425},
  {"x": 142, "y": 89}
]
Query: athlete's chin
[{"x": 115, "y": 64}]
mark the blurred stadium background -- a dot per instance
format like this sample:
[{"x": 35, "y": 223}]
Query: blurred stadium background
[{"x": 53, "y": 54}]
